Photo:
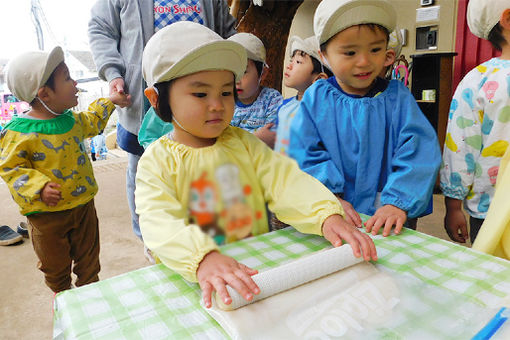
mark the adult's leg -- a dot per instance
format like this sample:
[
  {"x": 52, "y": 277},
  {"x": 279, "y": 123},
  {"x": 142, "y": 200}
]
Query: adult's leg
[
  {"x": 130, "y": 187},
  {"x": 84, "y": 239}
]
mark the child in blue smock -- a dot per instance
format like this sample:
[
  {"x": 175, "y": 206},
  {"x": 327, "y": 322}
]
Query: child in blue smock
[
  {"x": 302, "y": 71},
  {"x": 363, "y": 137}
]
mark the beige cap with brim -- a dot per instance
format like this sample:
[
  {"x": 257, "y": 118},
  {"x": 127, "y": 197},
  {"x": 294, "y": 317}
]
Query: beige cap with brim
[
  {"x": 309, "y": 45},
  {"x": 333, "y": 16},
  {"x": 253, "y": 45},
  {"x": 483, "y": 15},
  {"x": 395, "y": 42},
  {"x": 29, "y": 71},
  {"x": 183, "y": 48}
]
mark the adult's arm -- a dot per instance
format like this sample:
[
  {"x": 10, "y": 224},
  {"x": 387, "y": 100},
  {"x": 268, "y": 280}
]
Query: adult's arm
[
  {"x": 225, "y": 24},
  {"x": 104, "y": 32}
]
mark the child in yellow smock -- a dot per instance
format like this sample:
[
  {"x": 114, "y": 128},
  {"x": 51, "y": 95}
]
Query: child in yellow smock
[{"x": 206, "y": 182}]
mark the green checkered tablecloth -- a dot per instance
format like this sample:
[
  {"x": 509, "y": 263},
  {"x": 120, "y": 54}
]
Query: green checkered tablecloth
[{"x": 156, "y": 303}]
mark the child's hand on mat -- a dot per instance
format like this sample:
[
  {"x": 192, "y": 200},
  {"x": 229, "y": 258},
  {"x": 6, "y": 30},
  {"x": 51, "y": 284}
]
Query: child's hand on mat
[
  {"x": 387, "y": 216},
  {"x": 335, "y": 229},
  {"x": 351, "y": 215},
  {"x": 216, "y": 271},
  {"x": 50, "y": 194}
]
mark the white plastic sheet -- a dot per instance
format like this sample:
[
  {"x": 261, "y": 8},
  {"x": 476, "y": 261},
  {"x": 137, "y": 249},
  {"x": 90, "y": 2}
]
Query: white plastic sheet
[{"x": 356, "y": 302}]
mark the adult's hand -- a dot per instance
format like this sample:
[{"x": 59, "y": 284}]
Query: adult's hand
[{"x": 117, "y": 87}]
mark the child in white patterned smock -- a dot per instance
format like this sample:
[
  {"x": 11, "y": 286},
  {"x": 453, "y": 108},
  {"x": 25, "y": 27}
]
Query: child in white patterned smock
[
  {"x": 207, "y": 183},
  {"x": 256, "y": 105},
  {"x": 303, "y": 70},
  {"x": 44, "y": 162},
  {"x": 478, "y": 125}
]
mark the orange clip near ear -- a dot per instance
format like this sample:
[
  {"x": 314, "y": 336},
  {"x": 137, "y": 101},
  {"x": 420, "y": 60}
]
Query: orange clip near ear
[
  {"x": 505, "y": 19},
  {"x": 152, "y": 95}
]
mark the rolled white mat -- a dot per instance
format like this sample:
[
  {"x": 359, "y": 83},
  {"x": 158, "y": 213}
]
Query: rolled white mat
[{"x": 294, "y": 273}]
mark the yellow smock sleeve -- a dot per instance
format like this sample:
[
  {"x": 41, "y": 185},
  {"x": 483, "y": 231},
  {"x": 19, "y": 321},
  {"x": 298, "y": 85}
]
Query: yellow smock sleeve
[
  {"x": 95, "y": 118},
  {"x": 295, "y": 197},
  {"x": 24, "y": 182},
  {"x": 494, "y": 235},
  {"x": 163, "y": 219}
]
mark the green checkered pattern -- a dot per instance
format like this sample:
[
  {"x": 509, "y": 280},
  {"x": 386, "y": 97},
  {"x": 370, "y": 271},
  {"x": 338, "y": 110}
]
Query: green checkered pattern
[{"x": 156, "y": 303}]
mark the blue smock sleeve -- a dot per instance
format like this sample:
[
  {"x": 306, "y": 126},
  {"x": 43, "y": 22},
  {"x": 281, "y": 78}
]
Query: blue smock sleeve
[
  {"x": 307, "y": 147},
  {"x": 415, "y": 161}
]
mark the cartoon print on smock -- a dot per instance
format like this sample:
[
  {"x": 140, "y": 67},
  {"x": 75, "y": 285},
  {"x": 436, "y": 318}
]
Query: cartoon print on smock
[
  {"x": 79, "y": 189},
  {"x": 53, "y": 151},
  {"x": 493, "y": 174},
  {"x": 20, "y": 183},
  {"x": 490, "y": 88},
  {"x": 202, "y": 206},
  {"x": 237, "y": 215}
]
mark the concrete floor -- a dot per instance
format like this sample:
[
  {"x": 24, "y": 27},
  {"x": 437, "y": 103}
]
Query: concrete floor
[{"x": 26, "y": 302}]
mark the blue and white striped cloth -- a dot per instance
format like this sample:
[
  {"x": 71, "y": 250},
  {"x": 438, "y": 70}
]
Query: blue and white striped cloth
[{"x": 167, "y": 12}]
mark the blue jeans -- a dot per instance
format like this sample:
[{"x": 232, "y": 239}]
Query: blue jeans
[{"x": 130, "y": 188}]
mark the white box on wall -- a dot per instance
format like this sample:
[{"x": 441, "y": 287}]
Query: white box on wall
[{"x": 427, "y": 14}]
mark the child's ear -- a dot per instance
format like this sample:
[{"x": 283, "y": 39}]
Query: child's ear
[
  {"x": 505, "y": 19},
  {"x": 152, "y": 95},
  {"x": 263, "y": 75},
  {"x": 43, "y": 93},
  {"x": 390, "y": 57},
  {"x": 321, "y": 75}
]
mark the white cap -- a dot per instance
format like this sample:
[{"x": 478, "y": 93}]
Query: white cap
[
  {"x": 28, "y": 72},
  {"x": 483, "y": 15},
  {"x": 395, "y": 42},
  {"x": 253, "y": 45},
  {"x": 333, "y": 16},
  {"x": 184, "y": 47},
  {"x": 309, "y": 45}
]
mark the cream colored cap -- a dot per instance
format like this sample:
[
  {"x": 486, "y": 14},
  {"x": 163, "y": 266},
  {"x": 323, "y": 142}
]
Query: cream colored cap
[
  {"x": 183, "y": 48},
  {"x": 333, "y": 16},
  {"x": 29, "y": 71},
  {"x": 395, "y": 42},
  {"x": 309, "y": 45},
  {"x": 483, "y": 15},
  {"x": 254, "y": 46}
]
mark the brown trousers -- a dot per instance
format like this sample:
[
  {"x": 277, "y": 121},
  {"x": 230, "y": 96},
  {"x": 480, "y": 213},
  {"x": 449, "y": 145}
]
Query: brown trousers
[{"x": 61, "y": 237}]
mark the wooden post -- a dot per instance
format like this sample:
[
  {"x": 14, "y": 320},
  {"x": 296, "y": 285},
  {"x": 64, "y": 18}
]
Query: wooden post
[{"x": 271, "y": 23}]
